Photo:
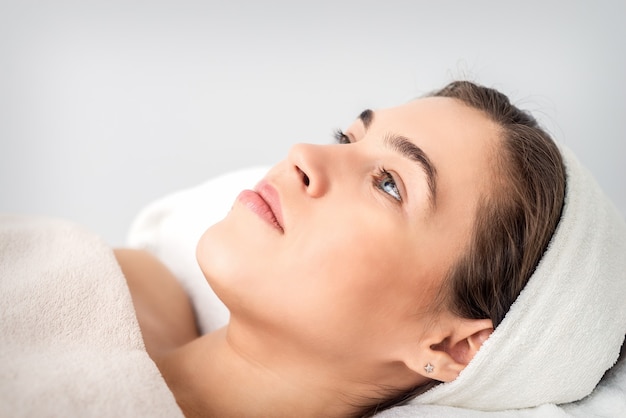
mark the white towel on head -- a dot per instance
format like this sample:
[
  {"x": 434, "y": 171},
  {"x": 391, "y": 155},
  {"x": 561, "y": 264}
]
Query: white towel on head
[{"x": 567, "y": 326}]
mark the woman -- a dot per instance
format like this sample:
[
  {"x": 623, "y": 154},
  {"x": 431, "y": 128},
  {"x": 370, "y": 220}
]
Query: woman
[{"x": 361, "y": 274}]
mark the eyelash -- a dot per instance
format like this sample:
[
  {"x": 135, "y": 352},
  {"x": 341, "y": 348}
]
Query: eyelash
[
  {"x": 340, "y": 137},
  {"x": 380, "y": 174}
]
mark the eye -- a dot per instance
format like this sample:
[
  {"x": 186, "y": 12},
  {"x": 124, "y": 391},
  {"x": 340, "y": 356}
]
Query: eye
[
  {"x": 340, "y": 137},
  {"x": 384, "y": 181}
]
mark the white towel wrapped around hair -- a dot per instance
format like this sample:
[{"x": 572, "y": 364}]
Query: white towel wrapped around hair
[{"x": 566, "y": 328}]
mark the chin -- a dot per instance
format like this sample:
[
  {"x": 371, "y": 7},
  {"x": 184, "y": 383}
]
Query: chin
[{"x": 228, "y": 254}]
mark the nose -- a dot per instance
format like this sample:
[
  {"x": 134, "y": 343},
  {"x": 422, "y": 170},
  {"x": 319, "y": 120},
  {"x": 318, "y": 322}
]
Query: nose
[{"x": 311, "y": 164}]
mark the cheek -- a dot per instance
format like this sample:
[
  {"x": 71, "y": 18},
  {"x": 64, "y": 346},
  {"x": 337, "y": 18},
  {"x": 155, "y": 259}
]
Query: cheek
[
  {"x": 356, "y": 291},
  {"x": 340, "y": 284}
]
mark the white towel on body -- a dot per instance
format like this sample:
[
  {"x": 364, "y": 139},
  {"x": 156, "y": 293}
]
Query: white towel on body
[{"x": 70, "y": 344}]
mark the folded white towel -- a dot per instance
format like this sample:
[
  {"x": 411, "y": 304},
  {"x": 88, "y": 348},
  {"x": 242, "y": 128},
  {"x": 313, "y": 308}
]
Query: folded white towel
[
  {"x": 567, "y": 326},
  {"x": 70, "y": 344}
]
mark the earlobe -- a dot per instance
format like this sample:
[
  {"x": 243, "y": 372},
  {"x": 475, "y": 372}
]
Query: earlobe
[
  {"x": 435, "y": 364},
  {"x": 450, "y": 348}
]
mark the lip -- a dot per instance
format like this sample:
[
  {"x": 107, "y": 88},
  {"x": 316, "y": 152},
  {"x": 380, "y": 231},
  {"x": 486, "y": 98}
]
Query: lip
[{"x": 264, "y": 201}]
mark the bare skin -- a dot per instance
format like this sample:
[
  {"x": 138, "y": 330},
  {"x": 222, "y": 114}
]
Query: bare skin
[
  {"x": 343, "y": 315},
  {"x": 168, "y": 327},
  {"x": 163, "y": 309}
]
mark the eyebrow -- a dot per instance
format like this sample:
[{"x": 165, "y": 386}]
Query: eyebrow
[
  {"x": 408, "y": 149},
  {"x": 366, "y": 117}
]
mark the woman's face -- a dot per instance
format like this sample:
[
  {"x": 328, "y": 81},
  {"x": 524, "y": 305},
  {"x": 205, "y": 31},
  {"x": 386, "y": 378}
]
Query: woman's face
[{"x": 364, "y": 232}]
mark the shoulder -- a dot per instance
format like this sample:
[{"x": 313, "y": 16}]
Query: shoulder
[{"x": 163, "y": 309}]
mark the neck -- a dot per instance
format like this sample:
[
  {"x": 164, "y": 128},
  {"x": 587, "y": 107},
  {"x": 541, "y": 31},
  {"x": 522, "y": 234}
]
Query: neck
[{"x": 211, "y": 377}]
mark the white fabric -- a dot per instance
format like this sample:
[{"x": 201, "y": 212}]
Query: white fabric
[
  {"x": 70, "y": 344},
  {"x": 534, "y": 358},
  {"x": 567, "y": 326}
]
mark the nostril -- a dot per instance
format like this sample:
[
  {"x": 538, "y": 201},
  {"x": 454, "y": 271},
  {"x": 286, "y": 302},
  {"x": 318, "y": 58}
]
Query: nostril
[{"x": 305, "y": 178}]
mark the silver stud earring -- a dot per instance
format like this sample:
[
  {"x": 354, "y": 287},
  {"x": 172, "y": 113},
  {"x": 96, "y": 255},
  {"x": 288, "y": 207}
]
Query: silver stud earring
[{"x": 429, "y": 368}]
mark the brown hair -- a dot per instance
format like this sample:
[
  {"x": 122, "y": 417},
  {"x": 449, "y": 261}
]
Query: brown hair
[{"x": 513, "y": 224}]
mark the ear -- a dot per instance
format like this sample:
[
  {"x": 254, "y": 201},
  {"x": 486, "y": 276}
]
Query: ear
[{"x": 448, "y": 347}]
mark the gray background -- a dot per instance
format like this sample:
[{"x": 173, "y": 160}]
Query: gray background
[{"x": 107, "y": 105}]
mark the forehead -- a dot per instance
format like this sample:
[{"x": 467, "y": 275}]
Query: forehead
[
  {"x": 444, "y": 118},
  {"x": 460, "y": 141}
]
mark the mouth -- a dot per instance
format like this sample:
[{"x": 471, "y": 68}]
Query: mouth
[{"x": 265, "y": 202}]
